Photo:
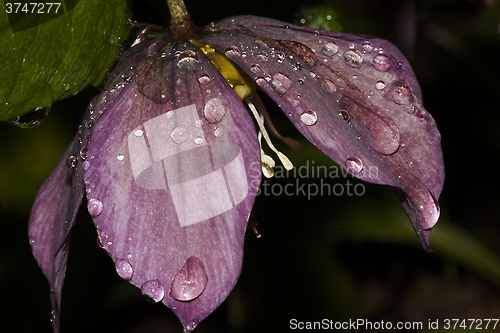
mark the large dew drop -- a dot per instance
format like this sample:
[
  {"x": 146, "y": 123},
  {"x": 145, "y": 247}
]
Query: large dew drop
[
  {"x": 187, "y": 61},
  {"x": 94, "y": 207},
  {"x": 232, "y": 52},
  {"x": 380, "y": 85},
  {"x": 190, "y": 282},
  {"x": 309, "y": 117},
  {"x": 382, "y": 62},
  {"x": 204, "y": 79},
  {"x": 367, "y": 46},
  {"x": 400, "y": 95},
  {"x": 179, "y": 134},
  {"x": 83, "y": 153},
  {"x": 124, "y": 269},
  {"x": 214, "y": 110},
  {"x": 330, "y": 49},
  {"x": 72, "y": 161},
  {"x": 354, "y": 164},
  {"x": 138, "y": 131},
  {"x": 329, "y": 86},
  {"x": 353, "y": 58},
  {"x": 262, "y": 56},
  {"x": 153, "y": 291},
  {"x": 31, "y": 119},
  {"x": 344, "y": 114},
  {"x": 281, "y": 83}
]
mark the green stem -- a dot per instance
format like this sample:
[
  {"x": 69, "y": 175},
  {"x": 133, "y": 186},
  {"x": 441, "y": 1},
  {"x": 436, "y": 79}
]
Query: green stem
[
  {"x": 181, "y": 25},
  {"x": 178, "y": 11}
]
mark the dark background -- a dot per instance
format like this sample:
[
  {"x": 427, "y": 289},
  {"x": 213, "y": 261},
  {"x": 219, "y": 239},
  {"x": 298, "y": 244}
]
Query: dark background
[{"x": 329, "y": 257}]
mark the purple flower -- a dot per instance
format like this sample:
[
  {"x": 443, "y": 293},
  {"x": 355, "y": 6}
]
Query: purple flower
[{"x": 170, "y": 160}]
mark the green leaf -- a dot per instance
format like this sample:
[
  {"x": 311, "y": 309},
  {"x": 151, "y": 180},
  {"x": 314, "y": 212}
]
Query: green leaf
[
  {"x": 321, "y": 17},
  {"x": 449, "y": 240},
  {"x": 50, "y": 56}
]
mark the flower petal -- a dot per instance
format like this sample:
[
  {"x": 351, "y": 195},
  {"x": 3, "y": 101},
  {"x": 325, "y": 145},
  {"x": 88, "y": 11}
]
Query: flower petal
[
  {"x": 353, "y": 96},
  {"x": 53, "y": 216},
  {"x": 174, "y": 169}
]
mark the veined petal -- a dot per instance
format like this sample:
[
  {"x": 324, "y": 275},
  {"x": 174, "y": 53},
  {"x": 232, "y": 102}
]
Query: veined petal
[
  {"x": 354, "y": 97},
  {"x": 174, "y": 166},
  {"x": 54, "y": 213}
]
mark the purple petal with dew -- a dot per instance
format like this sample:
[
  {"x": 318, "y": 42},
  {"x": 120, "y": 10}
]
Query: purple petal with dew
[
  {"x": 352, "y": 96},
  {"x": 53, "y": 216},
  {"x": 174, "y": 167}
]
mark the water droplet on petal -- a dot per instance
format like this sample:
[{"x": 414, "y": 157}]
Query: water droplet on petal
[
  {"x": 190, "y": 282},
  {"x": 94, "y": 207},
  {"x": 214, "y": 110},
  {"x": 380, "y": 85},
  {"x": 330, "y": 49},
  {"x": 400, "y": 95},
  {"x": 329, "y": 86},
  {"x": 263, "y": 56},
  {"x": 153, "y": 290},
  {"x": 309, "y": 117},
  {"x": 72, "y": 161},
  {"x": 31, "y": 119},
  {"x": 86, "y": 166},
  {"x": 198, "y": 140},
  {"x": 204, "y": 79},
  {"x": 260, "y": 81},
  {"x": 198, "y": 123},
  {"x": 353, "y": 58},
  {"x": 179, "y": 134},
  {"x": 120, "y": 157},
  {"x": 187, "y": 61},
  {"x": 124, "y": 269},
  {"x": 281, "y": 83},
  {"x": 344, "y": 114},
  {"x": 367, "y": 46},
  {"x": 191, "y": 326},
  {"x": 218, "y": 132},
  {"x": 255, "y": 68},
  {"x": 83, "y": 153},
  {"x": 382, "y": 62},
  {"x": 138, "y": 131},
  {"x": 354, "y": 164},
  {"x": 232, "y": 51}
]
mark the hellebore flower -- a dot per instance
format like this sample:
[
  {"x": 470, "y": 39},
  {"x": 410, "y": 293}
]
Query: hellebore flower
[{"x": 169, "y": 157}]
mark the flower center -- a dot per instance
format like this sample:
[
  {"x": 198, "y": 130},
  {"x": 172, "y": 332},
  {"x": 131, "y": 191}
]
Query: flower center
[{"x": 245, "y": 88}]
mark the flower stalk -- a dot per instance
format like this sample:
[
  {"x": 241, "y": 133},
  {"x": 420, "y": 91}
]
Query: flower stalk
[{"x": 181, "y": 25}]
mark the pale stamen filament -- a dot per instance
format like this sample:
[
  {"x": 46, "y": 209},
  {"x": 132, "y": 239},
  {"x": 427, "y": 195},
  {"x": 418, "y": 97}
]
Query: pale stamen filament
[
  {"x": 266, "y": 161},
  {"x": 294, "y": 144},
  {"x": 260, "y": 121}
]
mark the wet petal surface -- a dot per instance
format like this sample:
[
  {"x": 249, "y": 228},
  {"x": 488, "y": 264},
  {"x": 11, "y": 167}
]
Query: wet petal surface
[
  {"x": 53, "y": 216},
  {"x": 175, "y": 162},
  {"x": 366, "y": 100}
]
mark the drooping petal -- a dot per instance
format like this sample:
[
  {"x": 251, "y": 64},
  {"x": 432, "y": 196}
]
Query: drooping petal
[
  {"x": 355, "y": 97},
  {"x": 174, "y": 166},
  {"x": 53, "y": 216}
]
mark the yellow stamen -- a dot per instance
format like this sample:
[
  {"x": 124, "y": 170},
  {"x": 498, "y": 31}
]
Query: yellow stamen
[{"x": 237, "y": 79}]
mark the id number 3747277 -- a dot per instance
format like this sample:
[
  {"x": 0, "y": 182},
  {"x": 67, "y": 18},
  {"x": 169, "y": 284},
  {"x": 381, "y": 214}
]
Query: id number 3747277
[{"x": 32, "y": 7}]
